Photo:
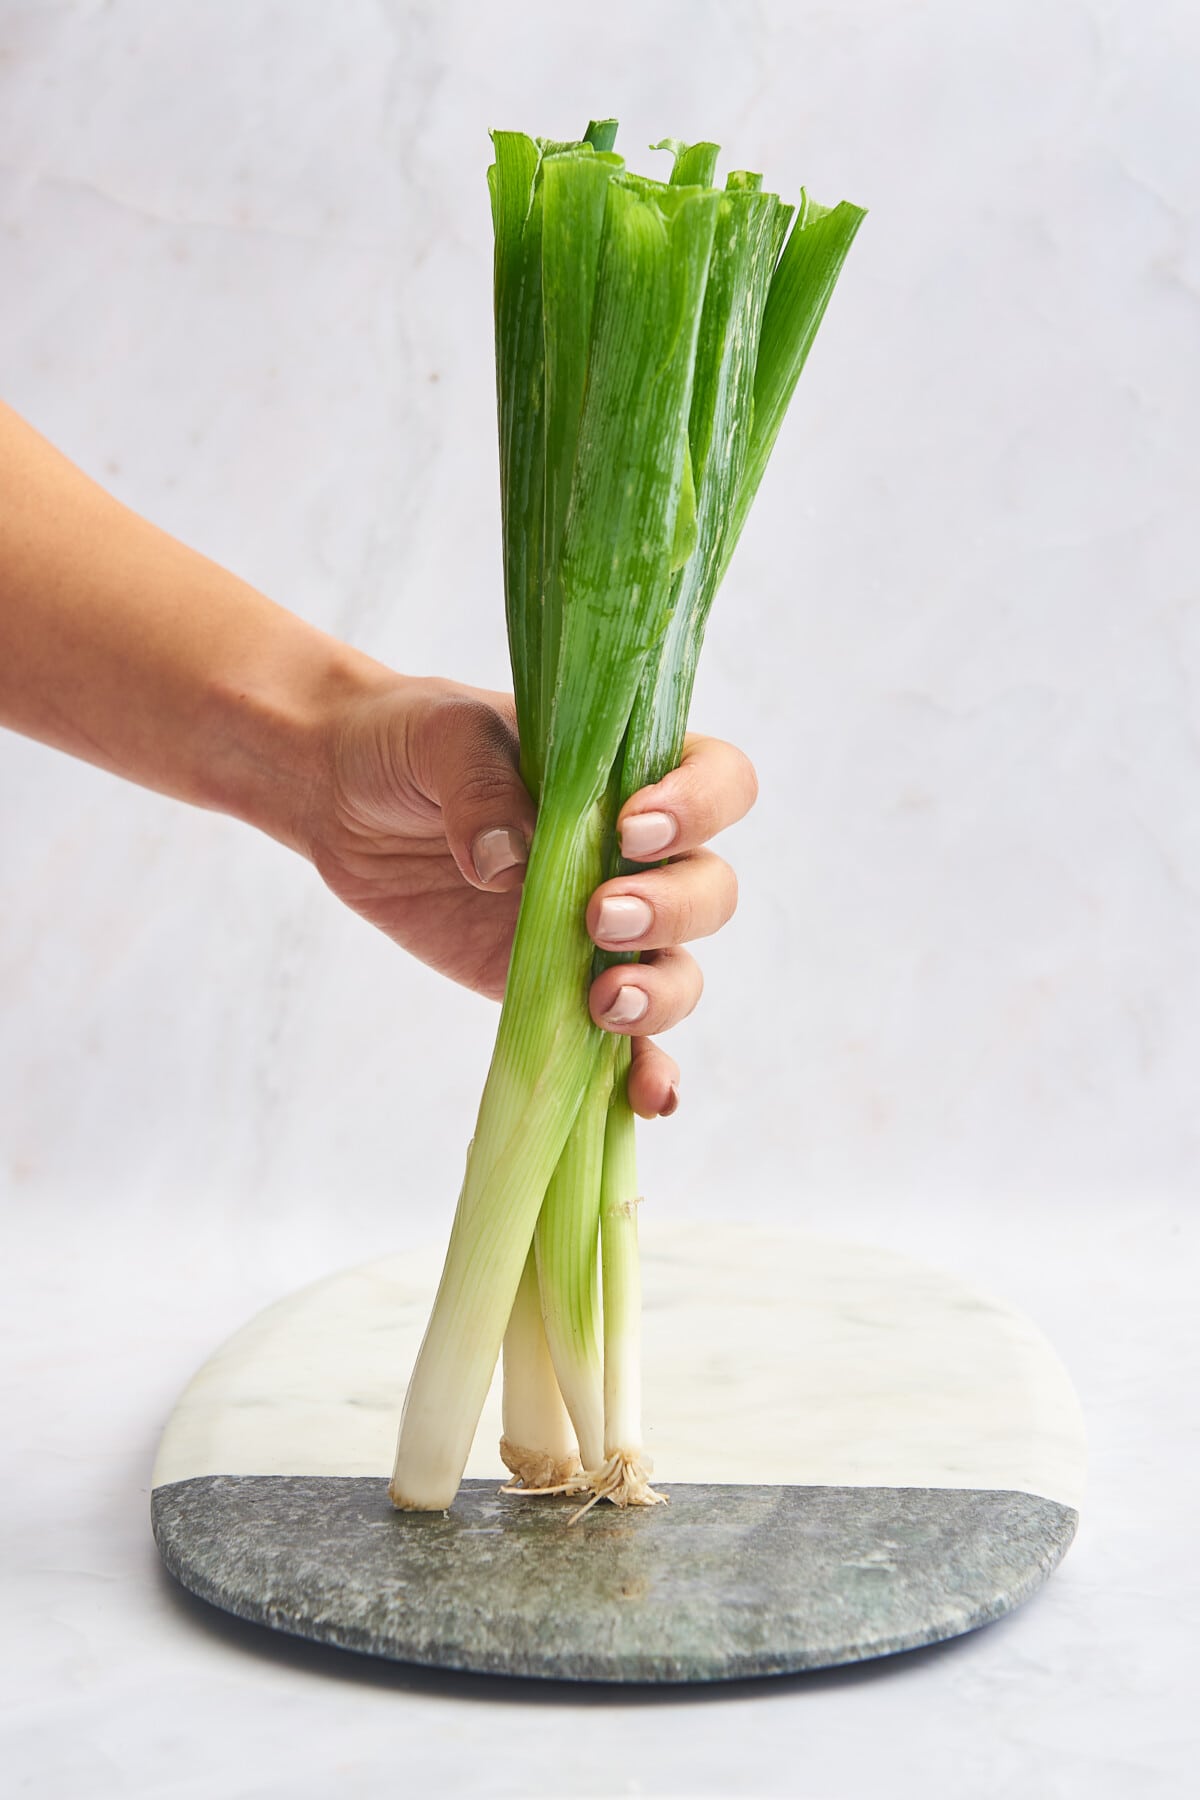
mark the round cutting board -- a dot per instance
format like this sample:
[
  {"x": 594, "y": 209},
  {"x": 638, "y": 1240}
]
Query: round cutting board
[{"x": 862, "y": 1456}]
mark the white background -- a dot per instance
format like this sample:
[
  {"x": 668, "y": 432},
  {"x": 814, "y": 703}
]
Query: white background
[{"x": 244, "y": 281}]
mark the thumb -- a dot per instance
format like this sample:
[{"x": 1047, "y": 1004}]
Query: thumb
[{"x": 466, "y": 757}]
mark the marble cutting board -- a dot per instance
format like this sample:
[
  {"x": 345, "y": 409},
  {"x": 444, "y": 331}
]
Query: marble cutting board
[{"x": 862, "y": 1455}]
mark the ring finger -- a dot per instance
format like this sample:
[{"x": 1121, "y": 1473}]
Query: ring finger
[{"x": 638, "y": 999}]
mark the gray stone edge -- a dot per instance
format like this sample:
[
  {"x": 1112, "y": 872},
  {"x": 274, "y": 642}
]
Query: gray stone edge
[{"x": 652, "y": 1670}]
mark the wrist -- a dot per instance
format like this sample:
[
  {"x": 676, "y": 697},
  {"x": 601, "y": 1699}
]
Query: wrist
[{"x": 278, "y": 718}]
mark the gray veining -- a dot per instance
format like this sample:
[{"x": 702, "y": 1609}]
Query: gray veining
[{"x": 769, "y": 1356}]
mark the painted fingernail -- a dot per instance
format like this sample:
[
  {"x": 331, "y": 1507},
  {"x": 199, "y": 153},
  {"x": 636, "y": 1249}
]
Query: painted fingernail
[
  {"x": 496, "y": 850},
  {"x": 623, "y": 917},
  {"x": 628, "y": 1007},
  {"x": 644, "y": 835},
  {"x": 672, "y": 1105}
]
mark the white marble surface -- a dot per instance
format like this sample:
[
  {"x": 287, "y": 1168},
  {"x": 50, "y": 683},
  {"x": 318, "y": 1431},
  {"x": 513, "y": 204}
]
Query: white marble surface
[
  {"x": 243, "y": 279},
  {"x": 770, "y": 1357}
]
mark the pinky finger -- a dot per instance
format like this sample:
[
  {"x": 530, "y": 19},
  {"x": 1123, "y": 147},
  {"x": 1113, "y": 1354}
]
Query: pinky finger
[{"x": 653, "y": 1081}]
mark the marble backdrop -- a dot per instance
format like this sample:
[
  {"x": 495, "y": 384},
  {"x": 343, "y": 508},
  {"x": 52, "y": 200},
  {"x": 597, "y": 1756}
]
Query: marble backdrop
[
  {"x": 246, "y": 284},
  {"x": 244, "y": 281}
]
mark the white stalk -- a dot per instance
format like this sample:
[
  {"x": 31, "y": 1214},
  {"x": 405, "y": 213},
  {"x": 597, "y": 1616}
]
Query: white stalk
[
  {"x": 538, "y": 1445},
  {"x": 623, "y": 1477},
  {"x": 566, "y": 1242}
]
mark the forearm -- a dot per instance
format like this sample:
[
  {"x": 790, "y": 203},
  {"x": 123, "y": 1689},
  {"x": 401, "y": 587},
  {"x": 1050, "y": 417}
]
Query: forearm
[{"x": 123, "y": 647}]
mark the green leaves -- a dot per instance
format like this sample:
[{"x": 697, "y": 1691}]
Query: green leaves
[
  {"x": 720, "y": 420},
  {"x": 801, "y": 288},
  {"x": 695, "y": 164},
  {"x": 520, "y": 397},
  {"x": 575, "y": 194},
  {"x": 619, "y": 538},
  {"x": 649, "y": 337}
]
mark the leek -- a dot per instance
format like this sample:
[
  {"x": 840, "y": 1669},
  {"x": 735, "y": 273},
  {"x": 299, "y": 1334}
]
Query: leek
[{"x": 648, "y": 338}]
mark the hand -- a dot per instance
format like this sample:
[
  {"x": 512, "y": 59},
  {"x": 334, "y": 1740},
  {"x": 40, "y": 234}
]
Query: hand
[
  {"x": 423, "y": 826},
  {"x": 124, "y": 647}
]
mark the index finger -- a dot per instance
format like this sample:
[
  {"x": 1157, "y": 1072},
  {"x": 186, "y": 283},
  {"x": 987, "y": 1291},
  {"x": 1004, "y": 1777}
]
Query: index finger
[{"x": 714, "y": 786}]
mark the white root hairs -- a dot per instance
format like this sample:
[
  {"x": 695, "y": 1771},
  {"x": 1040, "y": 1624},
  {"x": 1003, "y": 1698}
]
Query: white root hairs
[
  {"x": 536, "y": 1471},
  {"x": 622, "y": 1479}
]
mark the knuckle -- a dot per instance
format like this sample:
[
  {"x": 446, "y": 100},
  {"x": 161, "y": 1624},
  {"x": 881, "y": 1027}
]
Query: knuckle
[
  {"x": 481, "y": 784},
  {"x": 473, "y": 727},
  {"x": 706, "y": 810},
  {"x": 695, "y": 806},
  {"x": 684, "y": 987},
  {"x": 721, "y": 786},
  {"x": 683, "y": 920},
  {"x": 749, "y": 777},
  {"x": 471, "y": 753},
  {"x": 678, "y": 988}
]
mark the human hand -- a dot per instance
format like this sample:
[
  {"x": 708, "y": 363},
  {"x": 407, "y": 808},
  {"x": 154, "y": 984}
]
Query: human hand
[
  {"x": 422, "y": 825},
  {"x": 124, "y": 647}
]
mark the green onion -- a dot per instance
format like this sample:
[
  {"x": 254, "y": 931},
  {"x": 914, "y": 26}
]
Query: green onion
[
  {"x": 648, "y": 338},
  {"x": 534, "y": 1413}
]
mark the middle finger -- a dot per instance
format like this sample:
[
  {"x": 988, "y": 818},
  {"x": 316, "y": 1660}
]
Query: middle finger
[{"x": 655, "y": 908}]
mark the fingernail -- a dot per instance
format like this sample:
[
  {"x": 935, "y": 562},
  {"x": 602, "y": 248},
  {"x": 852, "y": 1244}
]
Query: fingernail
[
  {"x": 496, "y": 850},
  {"x": 644, "y": 835},
  {"x": 628, "y": 1007},
  {"x": 623, "y": 917},
  {"x": 672, "y": 1105}
]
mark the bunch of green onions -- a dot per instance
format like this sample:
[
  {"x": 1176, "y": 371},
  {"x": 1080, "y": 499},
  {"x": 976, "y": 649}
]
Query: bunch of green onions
[{"x": 649, "y": 336}]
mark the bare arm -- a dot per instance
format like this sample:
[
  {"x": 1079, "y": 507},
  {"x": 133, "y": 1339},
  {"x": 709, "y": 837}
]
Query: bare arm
[{"x": 123, "y": 647}]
